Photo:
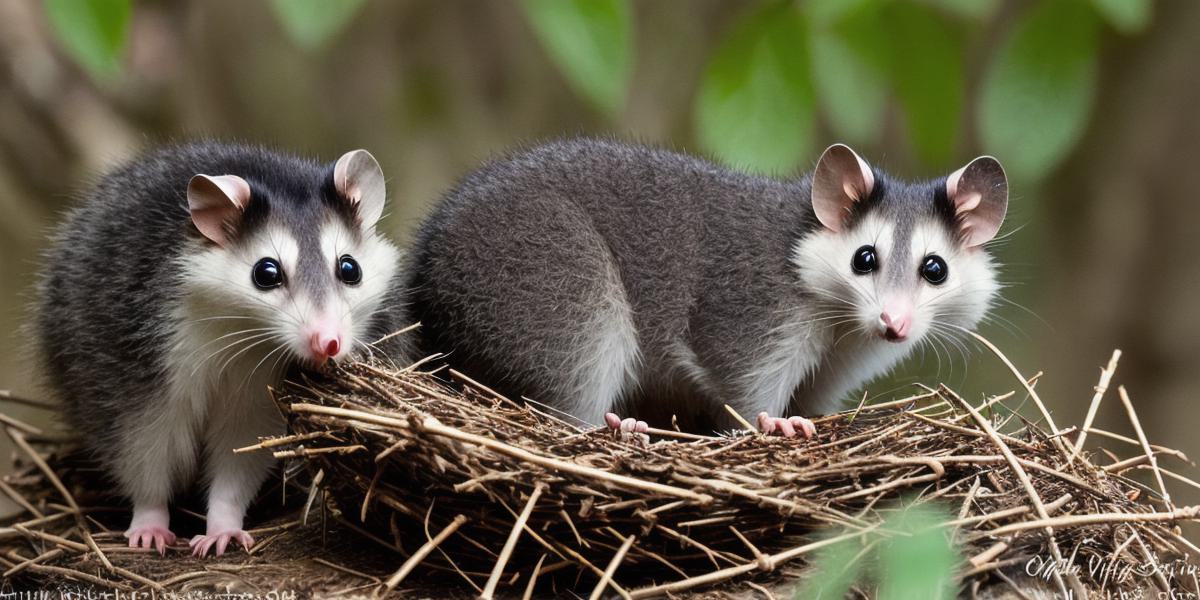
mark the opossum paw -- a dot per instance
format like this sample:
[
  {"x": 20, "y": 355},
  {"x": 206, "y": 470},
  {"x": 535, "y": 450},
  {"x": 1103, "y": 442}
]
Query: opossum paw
[
  {"x": 150, "y": 537},
  {"x": 218, "y": 542},
  {"x": 628, "y": 429},
  {"x": 787, "y": 427}
]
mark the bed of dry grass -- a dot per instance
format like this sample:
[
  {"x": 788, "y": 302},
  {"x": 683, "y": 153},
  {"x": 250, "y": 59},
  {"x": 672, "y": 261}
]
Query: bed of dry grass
[{"x": 404, "y": 481}]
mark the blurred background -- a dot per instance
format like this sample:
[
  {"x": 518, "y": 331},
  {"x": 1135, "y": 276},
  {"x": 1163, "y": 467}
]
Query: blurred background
[{"x": 1091, "y": 105}]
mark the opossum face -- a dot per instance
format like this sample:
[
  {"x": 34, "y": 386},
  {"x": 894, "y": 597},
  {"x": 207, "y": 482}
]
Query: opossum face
[
  {"x": 898, "y": 261},
  {"x": 302, "y": 276}
]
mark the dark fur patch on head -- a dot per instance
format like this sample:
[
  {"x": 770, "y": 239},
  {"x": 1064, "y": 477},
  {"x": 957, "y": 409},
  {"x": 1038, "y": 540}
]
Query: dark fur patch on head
[
  {"x": 907, "y": 201},
  {"x": 339, "y": 204}
]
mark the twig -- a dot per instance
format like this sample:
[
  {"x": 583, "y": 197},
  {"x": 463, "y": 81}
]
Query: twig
[
  {"x": 1178, "y": 514},
  {"x": 612, "y": 568},
  {"x": 1023, "y": 477},
  {"x": 1137, "y": 426},
  {"x": 420, "y": 555},
  {"x": 731, "y": 572},
  {"x": 489, "y": 589},
  {"x": 1037, "y": 400},
  {"x": 1106, "y": 375},
  {"x": 533, "y": 577},
  {"x": 433, "y": 426},
  {"x": 8, "y": 396}
]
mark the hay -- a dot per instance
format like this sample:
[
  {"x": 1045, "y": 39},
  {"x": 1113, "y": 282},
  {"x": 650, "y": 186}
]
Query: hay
[{"x": 471, "y": 494}]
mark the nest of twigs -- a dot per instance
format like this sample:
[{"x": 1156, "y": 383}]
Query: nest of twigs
[{"x": 479, "y": 495}]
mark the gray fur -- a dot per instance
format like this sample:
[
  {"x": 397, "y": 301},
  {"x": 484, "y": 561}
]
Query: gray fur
[
  {"x": 510, "y": 271},
  {"x": 109, "y": 297}
]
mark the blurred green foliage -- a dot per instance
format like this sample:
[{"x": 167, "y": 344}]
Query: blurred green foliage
[
  {"x": 1040, "y": 87},
  {"x": 755, "y": 106},
  {"x": 311, "y": 23},
  {"x": 92, "y": 31},
  {"x": 909, "y": 556},
  {"x": 786, "y": 66},
  {"x": 591, "y": 41}
]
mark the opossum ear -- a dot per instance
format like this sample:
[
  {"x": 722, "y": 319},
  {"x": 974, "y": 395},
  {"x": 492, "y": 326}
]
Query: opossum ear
[
  {"x": 979, "y": 194},
  {"x": 216, "y": 202},
  {"x": 358, "y": 178},
  {"x": 841, "y": 179}
]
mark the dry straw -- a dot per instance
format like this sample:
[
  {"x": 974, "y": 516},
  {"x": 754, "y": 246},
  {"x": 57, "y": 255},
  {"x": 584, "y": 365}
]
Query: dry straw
[{"x": 426, "y": 484}]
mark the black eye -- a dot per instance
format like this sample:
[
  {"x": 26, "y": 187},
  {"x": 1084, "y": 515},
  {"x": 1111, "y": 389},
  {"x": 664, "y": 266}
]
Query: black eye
[
  {"x": 348, "y": 270},
  {"x": 935, "y": 270},
  {"x": 267, "y": 274},
  {"x": 864, "y": 260}
]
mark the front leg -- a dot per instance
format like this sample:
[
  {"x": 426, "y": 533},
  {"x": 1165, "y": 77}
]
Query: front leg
[
  {"x": 158, "y": 457},
  {"x": 234, "y": 479}
]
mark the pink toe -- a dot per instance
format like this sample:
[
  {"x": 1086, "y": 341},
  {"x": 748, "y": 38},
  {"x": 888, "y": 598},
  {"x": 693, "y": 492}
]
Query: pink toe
[
  {"x": 786, "y": 428},
  {"x": 613, "y": 421},
  {"x": 804, "y": 426},
  {"x": 222, "y": 544},
  {"x": 765, "y": 423},
  {"x": 641, "y": 427}
]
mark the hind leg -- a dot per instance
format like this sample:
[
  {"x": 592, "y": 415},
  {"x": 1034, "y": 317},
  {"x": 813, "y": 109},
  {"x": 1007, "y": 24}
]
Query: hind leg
[{"x": 535, "y": 308}]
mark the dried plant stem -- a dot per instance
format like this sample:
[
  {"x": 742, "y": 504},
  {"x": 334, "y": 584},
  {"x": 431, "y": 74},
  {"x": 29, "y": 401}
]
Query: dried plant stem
[
  {"x": 489, "y": 589},
  {"x": 731, "y": 572},
  {"x": 420, "y": 555},
  {"x": 1023, "y": 477},
  {"x": 433, "y": 426},
  {"x": 1187, "y": 513},
  {"x": 533, "y": 578},
  {"x": 1106, "y": 375},
  {"x": 1141, "y": 436},
  {"x": 606, "y": 579},
  {"x": 1037, "y": 400}
]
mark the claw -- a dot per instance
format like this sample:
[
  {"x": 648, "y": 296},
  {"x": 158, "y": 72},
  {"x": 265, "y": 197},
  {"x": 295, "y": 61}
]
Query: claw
[
  {"x": 150, "y": 537},
  {"x": 628, "y": 429},
  {"x": 201, "y": 544},
  {"x": 787, "y": 427}
]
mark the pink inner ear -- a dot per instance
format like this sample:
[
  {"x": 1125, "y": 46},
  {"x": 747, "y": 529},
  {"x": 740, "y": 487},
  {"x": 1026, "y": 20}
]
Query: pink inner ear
[
  {"x": 968, "y": 201},
  {"x": 840, "y": 179},
  {"x": 979, "y": 192},
  {"x": 215, "y": 203}
]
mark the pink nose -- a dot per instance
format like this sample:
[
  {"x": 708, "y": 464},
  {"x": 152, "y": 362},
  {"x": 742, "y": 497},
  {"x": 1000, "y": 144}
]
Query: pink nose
[
  {"x": 325, "y": 343},
  {"x": 895, "y": 326}
]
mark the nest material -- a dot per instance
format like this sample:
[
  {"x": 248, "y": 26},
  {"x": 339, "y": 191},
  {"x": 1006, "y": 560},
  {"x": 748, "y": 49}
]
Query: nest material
[{"x": 488, "y": 497}]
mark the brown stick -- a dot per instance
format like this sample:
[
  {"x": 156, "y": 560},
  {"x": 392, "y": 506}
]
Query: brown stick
[
  {"x": 1106, "y": 375},
  {"x": 612, "y": 568},
  {"x": 1187, "y": 513},
  {"x": 489, "y": 590},
  {"x": 1037, "y": 400},
  {"x": 420, "y": 555},
  {"x": 433, "y": 426},
  {"x": 1023, "y": 477},
  {"x": 1137, "y": 426},
  {"x": 533, "y": 577},
  {"x": 731, "y": 572}
]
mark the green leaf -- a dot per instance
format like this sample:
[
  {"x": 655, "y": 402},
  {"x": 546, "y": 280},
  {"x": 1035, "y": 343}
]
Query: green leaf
[
  {"x": 920, "y": 561},
  {"x": 312, "y": 23},
  {"x": 927, "y": 68},
  {"x": 848, "y": 67},
  {"x": 1128, "y": 16},
  {"x": 977, "y": 10},
  {"x": 755, "y": 106},
  {"x": 591, "y": 41},
  {"x": 823, "y": 13},
  {"x": 1039, "y": 89},
  {"x": 835, "y": 569},
  {"x": 92, "y": 31}
]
